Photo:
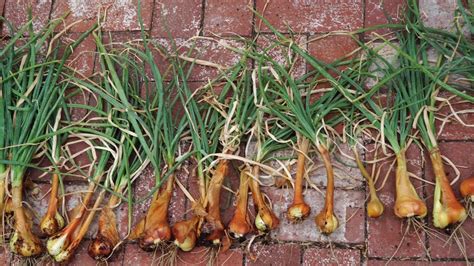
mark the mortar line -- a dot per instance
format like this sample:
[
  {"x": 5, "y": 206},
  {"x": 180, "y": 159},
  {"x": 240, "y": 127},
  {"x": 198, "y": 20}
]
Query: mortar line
[{"x": 203, "y": 13}]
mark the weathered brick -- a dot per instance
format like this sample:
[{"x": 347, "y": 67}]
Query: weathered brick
[
  {"x": 216, "y": 53},
  {"x": 311, "y": 16},
  {"x": 325, "y": 256},
  {"x": 77, "y": 150},
  {"x": 120, "y": 15},
  {"x": 2, "y": 4},
  {"x": 386, "y": 234},
  {"x": 379, "y": 12},
  {"x": 81, "y": 61},
  {"x": 180, "y": 18},
  {"x": 372, "y": 262},
  {"x": 201, "y": 256},
  {"x": 228, "y": 17},
  {"x": 134, "y": 255},
  {"x": 408, "y": 262},
  {"x": 16, "y": 12},
  {"x": 441, "y": 245},
  {"x": 161, "y": 52},
  {"x": 5, "y": 256},
  {"x": 274, "y": 254},
  {"x": 282, "y": 54},
  {"x": 331, "y": 48},
  {"x": 351, "y": 224},
  {"x": 450, "y": 128}
]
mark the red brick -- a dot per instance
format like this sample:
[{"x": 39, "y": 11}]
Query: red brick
[
  {"x": 453, "y": 129},
  {"x": 120, "y": 15},
  {"x": 80, "y": 97},
  {"x": 83, "y": 58},
  {"x": 398, "y": 262},
  {"x": 212, "y": 51},
  {"x": 182, "y": 18},
  {"x": 311, "y": 16},
  {"x": 163, "y": 48},
  {"x": 440, "y": 247},
  {"x": 134, "y": 255},
  {"x": 330, "y": 48},
  {"x": 376, "y": 12},
  {"x": 274, "y": 254},
  {"x": 216, "y": 53},
  {"x": 228, "y": 17},
  {"x": 77, "y": 151},
  {"x": 2, "y": 4},
  {"x": 346, "y": 203},
  {"x": 281, "y": 53},
  {"x": 414, "y": 262},
  {"x": 5, "y": 256},
  {"x": 385, "y": 234},
  {"x": 317, "y": 256},
  {"x": 204, "y": 256},
  {"x": 16, "y": 11}
]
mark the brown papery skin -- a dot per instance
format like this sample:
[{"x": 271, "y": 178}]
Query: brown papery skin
[
  {"x": 239, "y": 226},
  {"x": 187, "y": 230},
  {"x": 326, "y": 220},
  {"x": 107, "y": 236},
  {"x": 407, "y": 202},
  {"x": 214, "y": 193},
  {"x": 26, "y": 244},
  {"x": 467, "y": 188},
  {"x": 299, "y": 210},
  {"x": 269, "y": 218},
  {"x": 154, "y": 228},
  {"x": 450, "y": 204},
  {"x": 49, "y": 224}
]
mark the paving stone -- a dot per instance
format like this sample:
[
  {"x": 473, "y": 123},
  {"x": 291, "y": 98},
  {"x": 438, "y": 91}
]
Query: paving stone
[
  {"x": 348, "y": 208},
  {"x": 438, "y": 13},
  {"x": 38, "y": 198},
  {"x": 274, "y": 254},
  {"x": 228, "y": 17},
  {"x": 324, "y": 256},
  {"x": 311, "y": 16},
  {"x": 120, "y": 15},
  {"x": 347, "y": 175},
  {"x": 181, "y": 18}
]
